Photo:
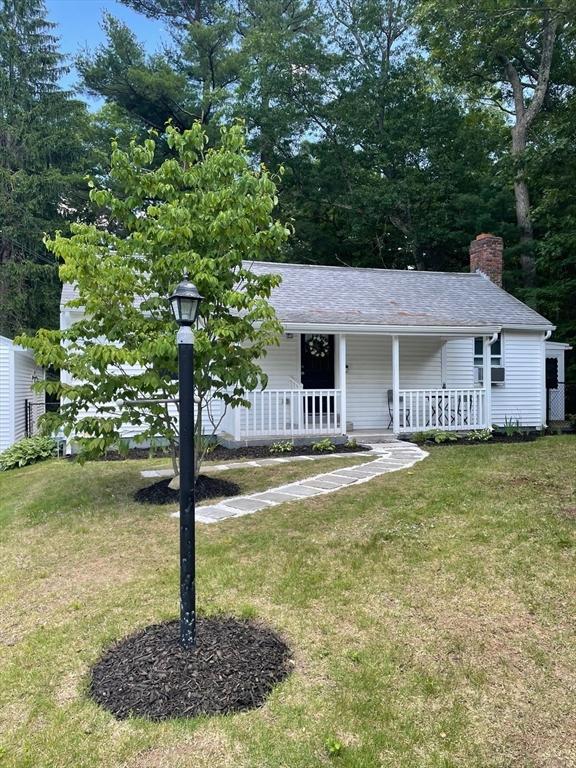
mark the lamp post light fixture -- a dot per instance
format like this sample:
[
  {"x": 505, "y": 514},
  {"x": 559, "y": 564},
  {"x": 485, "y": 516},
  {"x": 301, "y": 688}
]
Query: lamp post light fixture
[{"x": 185, "y": 303}]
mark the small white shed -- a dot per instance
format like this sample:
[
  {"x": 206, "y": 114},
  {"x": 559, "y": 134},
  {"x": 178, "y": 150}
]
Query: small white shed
[
  {"x": 555, "y": 379},
  {"x": 20, "y": 405}
]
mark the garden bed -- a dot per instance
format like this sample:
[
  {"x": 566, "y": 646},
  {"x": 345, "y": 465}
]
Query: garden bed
[
  {"x": 223, "y": 454},
  {"x": 206, "y": 488},
  {"x": 220, "y": 453},
  {"x": 497, "y": 437},
  {"x": 233, "y": 667}
]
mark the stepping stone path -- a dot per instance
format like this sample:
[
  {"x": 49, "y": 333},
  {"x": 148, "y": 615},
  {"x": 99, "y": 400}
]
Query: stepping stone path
[{"x": 389, "y": 457}]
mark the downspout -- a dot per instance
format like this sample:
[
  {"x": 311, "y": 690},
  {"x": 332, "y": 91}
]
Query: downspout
[{"x": 487, "y": 358}]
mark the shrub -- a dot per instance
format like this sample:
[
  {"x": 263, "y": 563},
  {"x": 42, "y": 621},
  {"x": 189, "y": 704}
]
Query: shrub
[
  {"x": 511, "y": 427},
  {"x": 27, "y": 451},
  {"x": 352, "y": 443},
  {"x": 444, "y": 437},
  {"x": 434, "y": 436},
  {"x": 324, "y": 446},
  {"x": 480, "y": 435},
  {"x": 282, "y": 447},
  {"x": 423, "y": 437}
]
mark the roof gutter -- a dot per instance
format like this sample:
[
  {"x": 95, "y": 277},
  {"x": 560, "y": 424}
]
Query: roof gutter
[
  {"x": 541, "y": 328},
  {"x": 396, "y": 330}
]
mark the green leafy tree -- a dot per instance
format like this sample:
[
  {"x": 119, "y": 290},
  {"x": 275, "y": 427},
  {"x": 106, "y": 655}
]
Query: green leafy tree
[
  {"x": 553, "y": 168},
  {"x": 284, "y": 62},
  {"x": 42, "y": 161},
  {"x": 504, "y": 53},
  {"x": 203, "y": 211},
  {"x": 398, "y": 172}
]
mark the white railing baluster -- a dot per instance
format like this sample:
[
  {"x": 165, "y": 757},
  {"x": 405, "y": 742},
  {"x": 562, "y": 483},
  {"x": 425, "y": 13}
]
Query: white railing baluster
[
  {"x": 456, "y": 409},
  {"x": 278, "y": 412}
]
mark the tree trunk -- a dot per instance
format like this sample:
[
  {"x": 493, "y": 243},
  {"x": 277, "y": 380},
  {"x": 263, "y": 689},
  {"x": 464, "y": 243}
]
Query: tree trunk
[
  {"x": 525, "y": 115},
  {"x": 522, "y": 199}
]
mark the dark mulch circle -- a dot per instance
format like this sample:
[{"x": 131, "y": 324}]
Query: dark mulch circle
[
  {"x": 206, "y": 488},
  {"x": 233, "y": 667}
]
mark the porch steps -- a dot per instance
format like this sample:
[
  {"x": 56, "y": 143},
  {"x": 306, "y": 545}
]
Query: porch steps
[{"x": 372, "y": 436}]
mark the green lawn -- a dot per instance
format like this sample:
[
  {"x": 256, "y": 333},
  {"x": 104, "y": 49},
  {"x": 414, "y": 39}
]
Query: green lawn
[{"x": 430, "y": 611}]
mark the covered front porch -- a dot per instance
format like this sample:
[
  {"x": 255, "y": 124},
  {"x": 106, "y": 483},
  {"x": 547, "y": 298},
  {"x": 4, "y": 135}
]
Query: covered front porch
[{"x": 348, "y": 384}]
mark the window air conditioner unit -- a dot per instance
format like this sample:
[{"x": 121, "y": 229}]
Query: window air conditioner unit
[{"x": 498, "y": 375}]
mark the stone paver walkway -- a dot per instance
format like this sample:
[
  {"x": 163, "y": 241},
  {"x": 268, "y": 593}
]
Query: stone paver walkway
[
  {"x": 391, "y": 457},
  {"x": 260, "y": 462}
]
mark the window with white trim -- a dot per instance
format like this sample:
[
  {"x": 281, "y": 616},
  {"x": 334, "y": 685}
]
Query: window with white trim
[{"x": 495, "y": 355}]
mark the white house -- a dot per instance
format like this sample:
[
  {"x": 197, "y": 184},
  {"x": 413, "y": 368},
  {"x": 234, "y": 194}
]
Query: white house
[
  {"x": 20, "y": 405},
  {"x": 371, "y": 351}
]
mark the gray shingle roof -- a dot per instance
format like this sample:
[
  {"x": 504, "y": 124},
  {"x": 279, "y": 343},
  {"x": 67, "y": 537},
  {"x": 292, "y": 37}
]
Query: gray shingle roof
[{"x": 353, "y": 296}]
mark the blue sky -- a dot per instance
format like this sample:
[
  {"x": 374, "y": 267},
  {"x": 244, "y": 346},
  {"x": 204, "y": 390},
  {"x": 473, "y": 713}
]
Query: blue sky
[{"x": 79, "y": 26}]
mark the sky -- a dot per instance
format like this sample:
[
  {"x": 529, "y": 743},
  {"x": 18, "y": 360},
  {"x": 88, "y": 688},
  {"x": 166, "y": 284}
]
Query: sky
[{"x": 79, "y": 27}]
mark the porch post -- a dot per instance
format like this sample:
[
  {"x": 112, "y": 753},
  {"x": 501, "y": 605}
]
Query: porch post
[
  {"x": 487, "y": 379},
  {"x": 395, "y": 384},
  {"x": 342, "y": 380}
]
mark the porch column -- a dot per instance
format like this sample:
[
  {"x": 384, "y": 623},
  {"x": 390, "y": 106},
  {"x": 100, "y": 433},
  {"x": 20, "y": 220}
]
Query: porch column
[
  {"x": 395, "y": 384},
  {"x": 487, "y": 378},
  {"x": 342, "y": 380}
]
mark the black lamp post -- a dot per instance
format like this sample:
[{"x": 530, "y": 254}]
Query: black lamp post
[{"x": 185, "y": 303}]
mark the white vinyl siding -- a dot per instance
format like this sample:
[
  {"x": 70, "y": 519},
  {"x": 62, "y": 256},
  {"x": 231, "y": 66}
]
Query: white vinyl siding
[
  {"x": 420, "y": 362},
  {"x": 6, "y": 387},
  {"x": 17, "y": 374},
  {"x": 282, "y": 366},
  {"x": 369, "y": 376},
  {"x": 25, "y": 370},
  {"x": 522, "y": 397},
  {"x": 282, "y": 363},
  {"x": 458, "y": 363}
]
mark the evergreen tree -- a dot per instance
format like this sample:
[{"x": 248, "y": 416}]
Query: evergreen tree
[
  {"x": 192, "y": 81},
  {"x": 41, "y": 130}
]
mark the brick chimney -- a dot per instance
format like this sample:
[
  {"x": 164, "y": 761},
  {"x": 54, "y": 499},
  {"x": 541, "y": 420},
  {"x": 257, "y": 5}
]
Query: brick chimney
[{"x": 486, "y": 256}]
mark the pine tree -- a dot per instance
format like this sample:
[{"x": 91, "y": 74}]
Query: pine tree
[{"x": 41, "y": 159}]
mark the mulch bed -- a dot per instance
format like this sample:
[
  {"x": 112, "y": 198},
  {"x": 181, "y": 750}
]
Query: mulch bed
[
  {"x": 233, "y": 667},
  {"x": 525, "y": 437},
  {"x": 220, "y": 453},
  {"x": 206, "y": 488}
]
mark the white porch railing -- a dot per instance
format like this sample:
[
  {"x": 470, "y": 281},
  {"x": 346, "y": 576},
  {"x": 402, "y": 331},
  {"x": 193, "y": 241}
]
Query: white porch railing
[
  {"x": 290, "y": 413},
  {"x": 447, "y": 409}
]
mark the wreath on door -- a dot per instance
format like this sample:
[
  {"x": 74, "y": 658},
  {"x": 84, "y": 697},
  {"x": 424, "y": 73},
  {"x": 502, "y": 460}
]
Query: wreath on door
[{"x": 318, "y": 346}]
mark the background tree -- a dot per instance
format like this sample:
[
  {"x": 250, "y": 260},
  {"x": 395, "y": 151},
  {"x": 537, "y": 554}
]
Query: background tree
[
  {"x": 202, "y": 212},
  {"x": 190, "y": 81},
  {"x": 397, "y": 171},
  {"x": 552, "y": 167},
  {"x": 503, "y": 52},
  {"x": 42, "y": 159}
]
